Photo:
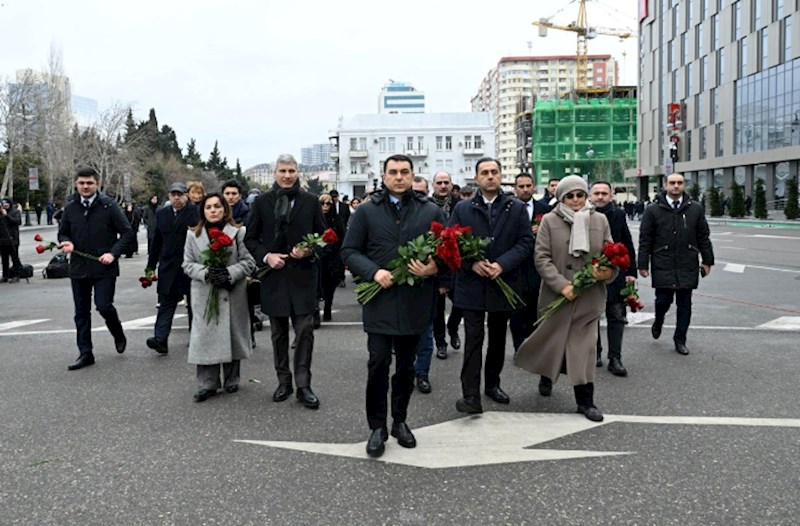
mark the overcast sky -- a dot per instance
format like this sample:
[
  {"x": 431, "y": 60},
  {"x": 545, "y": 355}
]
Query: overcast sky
[{"x": 266, "y": 77}]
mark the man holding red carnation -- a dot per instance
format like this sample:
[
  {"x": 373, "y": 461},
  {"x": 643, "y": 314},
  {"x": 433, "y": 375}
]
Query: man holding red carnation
[{"x": 601, "y": 197}]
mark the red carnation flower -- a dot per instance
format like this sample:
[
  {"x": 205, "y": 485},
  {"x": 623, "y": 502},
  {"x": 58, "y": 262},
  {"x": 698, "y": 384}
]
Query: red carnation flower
[
  {"x": 214, "y": 233},
  {"x": 216, "y": 245},
  {"x": 329, "y": 236},
  {"x": 466, "y": 229},
  {"x": 40, "y": 249},
  {"x": 224, "y": 240},
  {"x": 436, "y": 228},
  {"x": 37, "y": 237}
]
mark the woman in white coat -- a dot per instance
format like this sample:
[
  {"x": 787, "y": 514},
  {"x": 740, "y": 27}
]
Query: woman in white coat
[{"x": 225, "y": 339}]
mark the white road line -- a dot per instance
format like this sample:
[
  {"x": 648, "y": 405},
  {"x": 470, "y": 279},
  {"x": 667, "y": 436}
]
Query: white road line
[
  {"x": 21, "y": 323},
  {"x": 762, "y": 267},
  {"x": 734, "y": 267},
  {"x": 772, "y": 236},
  {"x": 784, "y": 323}
]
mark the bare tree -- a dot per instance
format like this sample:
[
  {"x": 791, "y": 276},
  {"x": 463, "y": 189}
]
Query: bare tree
[{"x": 18, "y": 121}]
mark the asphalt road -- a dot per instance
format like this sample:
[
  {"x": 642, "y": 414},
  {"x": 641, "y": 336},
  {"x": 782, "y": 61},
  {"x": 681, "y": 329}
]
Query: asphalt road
[{"x": 122, "y": 442}]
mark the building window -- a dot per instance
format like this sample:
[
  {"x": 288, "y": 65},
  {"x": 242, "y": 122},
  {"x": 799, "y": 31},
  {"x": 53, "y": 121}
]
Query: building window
[
  {"x": 777, "y": 11},
  {"x": 409, "y": 143},
  {"x": 362, "y": 168},
  {"x": 720, "y": 140},
  {"x": 698, "y": 111},
  {"x": 737, "y": 20},
  {"x": 448, "y": 166},
  {"x": 353, "y": 143},
  {"x": 684, "y": 48},
  {"x": 720, "y": 66},
  {"x": 764, "y": 62},
  {"x": 689, "y": 11},
  {"x": 713, "y": 104},
  {"x": 715, "y": 31},
  {"x": 468, "y": 142},
  {"x": 702, "y": 143},
  {"x": 362, "y": 143},
  {"x": 676, "y": 14},
  {"x": 478, "y": 142},
  {"x": 420, "y": 143},
  {"x": 353, "y": 168},
  {"x": 689, "y": 145},
  {"x": 756, "y": 15},
  {"x": 703, "y": 73},
  {"x": 690, "y": 79},
  {"x": 392, "y": 147},
  {"x": 439, "y": 165},
  {"x": 743, "y": 57},
  {"x": 787, "y": 39},
  {"x": 699, "y": 44},
  {"x": 438, "y": 143},
  {"x": 448, "y": 143},
  {"x": 382, "y": 144}
]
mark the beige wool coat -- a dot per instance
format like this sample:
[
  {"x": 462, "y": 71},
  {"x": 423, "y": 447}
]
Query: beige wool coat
[
  {"x": 229, "y": 339},
  {"x": 571, "y": 332}
]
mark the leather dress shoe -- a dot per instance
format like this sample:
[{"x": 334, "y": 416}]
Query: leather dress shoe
[
  {"x": 375, "y": 444},
  {"x": 85, "y": 360},
  {"x": 160, "y": 348},
  {"x": 498, "y": 395},
  {"x": 441, "y": 351},
  {"x": 590, "y": 412},
  {"x": 455, "y": 341},
  {"x": 599, "y": 362},
  {"x": 282, "y": 393},
  {"x": 423, "y": 384},
  {"x": 204, "y": 394},
  {"x": 469, "y": 404},
  {"x": 655, "y": 330},
  {"x": 121, "y": 344},
  {"x": 403, "y": 435},
  {"x": 231, "y": 389},
  {"x": 616, "y": 368},
  {"x": 307, "y": 397},
  {"x": 680, "y": 348},
  {"x": 545, "y": 386}
]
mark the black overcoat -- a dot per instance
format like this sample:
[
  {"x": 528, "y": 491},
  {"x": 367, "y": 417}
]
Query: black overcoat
[
  {"x": 512, "y": 243},
  {"x": 292, "y": 289},
  {"x": 376, "y": 231},
  {"x": 530, "y": 281},
  {"x": 621, "y": 234},
  {"x": 166, "y": 251},
  {"x": 99, "y": 229},
  {"x": 670, "y": 242}
]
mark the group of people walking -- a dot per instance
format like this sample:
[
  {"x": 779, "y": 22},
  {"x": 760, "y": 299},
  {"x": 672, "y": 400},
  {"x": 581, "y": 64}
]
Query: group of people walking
[{"x": 535, "y": 246}]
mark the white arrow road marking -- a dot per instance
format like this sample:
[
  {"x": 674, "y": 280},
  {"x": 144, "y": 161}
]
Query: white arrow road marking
[
  {"x": 734, "y": 267},
  {"x": 14, "y": 324},
  {"x": 498, "y": 438},
  {"x": 784, "y": 323},
  {"x": 640, "y": 317}
]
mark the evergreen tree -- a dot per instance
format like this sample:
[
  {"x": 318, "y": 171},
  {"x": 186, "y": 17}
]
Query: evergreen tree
[
  {"x": 791, "y": 208},
  {"x": 714, "y": 202},
  {"x": 168, "y": 142},
  {"x": 694, "y": 192},
  {"x": 193, "y": 156},
  {"x": 315, "y": 187},
  {"x": 214, "y": 163},
  {"x": 737, "y": 201},
  {"x": 130, "y": 127},
  {"x": 238, "y": 170},
  {"x": 760, "y": 210}
]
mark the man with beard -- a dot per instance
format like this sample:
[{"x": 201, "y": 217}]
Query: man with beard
[
  {"x": 278, "y": 221},
  {"x": 522, "y": 320},
  {"x": 600, "y": 196},
  {"x": 503, "y": 219},
  {"x": 445, "y": 198},
  {"x": 399, "y": 314},
  {"x": 172, "y": 222}
]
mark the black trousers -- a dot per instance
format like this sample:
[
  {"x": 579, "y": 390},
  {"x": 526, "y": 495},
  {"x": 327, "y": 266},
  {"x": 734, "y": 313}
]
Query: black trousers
[
  {"x": 438, "y": 319},
  {"x": 10, "y": 252},
  {"x": 522, "y": 320},
  {"x": 380, "y": 361},
  {"x": 167, "y": 305},
  {"x": 304, "y": 336},
  {"x": 104, "y": 302},
  {"x": 616, "y": 320},
  {"x": 683, "y": 301},
  {"x": 328, "y": 284},
  {"x": 473, "y": 350}
]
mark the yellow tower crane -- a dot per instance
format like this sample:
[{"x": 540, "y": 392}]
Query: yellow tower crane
[{"x": 584, "y": 33}]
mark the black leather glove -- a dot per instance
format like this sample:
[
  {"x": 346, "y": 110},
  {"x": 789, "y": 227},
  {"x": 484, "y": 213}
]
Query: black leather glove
[{"x": 218, "y": 276}]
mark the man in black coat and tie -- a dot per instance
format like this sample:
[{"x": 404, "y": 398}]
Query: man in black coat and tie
[
  {"x": 278, "y": 221},
  {"x": 342, "y": 209},
  {"x": 522, "y": 320},
  {"x": 94, "y": 230},
  {"x": 166, "y": 256}
]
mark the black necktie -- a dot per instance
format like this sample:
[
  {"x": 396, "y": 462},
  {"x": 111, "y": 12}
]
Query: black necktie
[
  {"x": 675, "y": 205},
  {"x": 86, "y": 203}
]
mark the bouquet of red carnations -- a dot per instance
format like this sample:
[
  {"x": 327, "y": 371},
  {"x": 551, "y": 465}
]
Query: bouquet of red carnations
[
  {"x": 613, "y": 256},
  {"x": 631, "y": 294},
  {"x": 215, "y": 256}
]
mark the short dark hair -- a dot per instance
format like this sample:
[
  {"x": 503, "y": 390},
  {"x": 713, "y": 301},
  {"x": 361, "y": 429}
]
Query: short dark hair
[
  {"x": 524, "y": 174},
  {"x": 553, "y": 179},
  {"x": 88, "y": 172},
  {"x": 231, "y": 183},
  {"x": 486, "y": 160},
  {"x": 610, "y": 188},
  {"x": 398, "y": 157},
  {"x": 420, "y": 179}
]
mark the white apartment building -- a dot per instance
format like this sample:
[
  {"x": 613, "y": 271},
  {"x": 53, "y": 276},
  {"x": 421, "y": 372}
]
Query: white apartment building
[
  {"x": 542, "y": 76},
  {"x": 452, "y": 142},
  {"x": 400, "y": 97},
  {"x": 262, "y": 174}
]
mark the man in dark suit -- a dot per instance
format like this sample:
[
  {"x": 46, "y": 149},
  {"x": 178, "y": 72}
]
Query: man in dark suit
[
  {"x": 166, "y": 255},
  {"x": 399, "y": 314},
  {"x": 10, "y": 220},
  {"x": 503, "y": 219},
  {"x": 601, "y": 193},
  {"x": 522, "y": 320},
  {"x": 93, "y": 224},
  {"x": 278, "y": 221},
  {"x": 342, "y": 209}
]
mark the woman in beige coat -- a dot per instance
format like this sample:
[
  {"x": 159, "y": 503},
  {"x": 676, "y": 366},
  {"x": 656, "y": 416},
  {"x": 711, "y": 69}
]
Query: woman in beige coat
[{"x": 568, "y": 339}]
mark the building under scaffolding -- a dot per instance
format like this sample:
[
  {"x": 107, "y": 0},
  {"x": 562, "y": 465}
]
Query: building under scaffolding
[{"x": 588, "y": 132}]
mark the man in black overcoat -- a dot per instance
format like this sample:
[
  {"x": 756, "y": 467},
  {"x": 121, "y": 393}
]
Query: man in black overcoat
[
  {"x": 400, "y": 313},
  {"x": 522, "y": 320},
  {"x": 616, "y": 309},
  {"x": 491, "y": 214},
  {"x": 278, "y": 221},
  {"x": 172, "y": 222},
  {"x": 93, "y": 224},
  {"x": 673, "y": 235}
]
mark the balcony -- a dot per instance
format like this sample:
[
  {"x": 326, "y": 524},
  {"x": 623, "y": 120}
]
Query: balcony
[
  {"x": 473, "y": 151},
  {"x": 359, "y": 154},
  {"x": 335, "y": 155},
  {"x": 417, "y": 153}
]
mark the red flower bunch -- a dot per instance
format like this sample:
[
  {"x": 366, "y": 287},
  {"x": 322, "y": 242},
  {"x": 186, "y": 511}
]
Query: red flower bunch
[
  {"x": 631, "y": 294},
  {"x": 617, "y": 256},
  {"x": 219, "y": 239},
  {"x": 537, "y": 219},
  {"x": 329, "y": 237},
  {"x": 446, "y": 239},
  {"x": 149, "y": 278},
  {"x": 41, "y": 249}
]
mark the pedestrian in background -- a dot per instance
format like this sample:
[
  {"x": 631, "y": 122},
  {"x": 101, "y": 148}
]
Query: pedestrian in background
[
  {"x": 221, "y": 342},
  {"x": 149, "y": 219},
  {"x": 673, "y": 237},
  {"x": 10, "y": 221},
  {"x": 197, "y": 193},
  {"x": 232, "y": 192},
  {"x": 330, "y": 262},
  {"x": 50, "y": 209},
  {"x": 93, "y": 224}
]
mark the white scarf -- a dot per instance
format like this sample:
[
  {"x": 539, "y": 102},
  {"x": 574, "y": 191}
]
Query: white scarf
[{"x": 579, "y": 234}]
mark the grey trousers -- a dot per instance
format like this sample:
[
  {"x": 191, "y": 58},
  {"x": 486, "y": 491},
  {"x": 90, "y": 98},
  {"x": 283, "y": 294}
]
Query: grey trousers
[{"x": 208, "y": 375}]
